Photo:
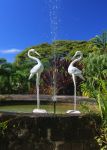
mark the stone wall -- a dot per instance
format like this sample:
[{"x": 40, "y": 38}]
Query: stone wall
[{"x": 49, "y": 132}]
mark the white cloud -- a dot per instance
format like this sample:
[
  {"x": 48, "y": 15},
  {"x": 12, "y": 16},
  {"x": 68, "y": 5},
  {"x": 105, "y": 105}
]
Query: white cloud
[{"x": 10, "y": 51}]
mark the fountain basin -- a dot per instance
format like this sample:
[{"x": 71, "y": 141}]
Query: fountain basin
[{"x": 26, "y": 103}]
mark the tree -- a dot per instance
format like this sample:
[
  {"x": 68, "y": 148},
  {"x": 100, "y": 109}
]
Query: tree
[
  {"x": 5, "y": 76},
  {"x": 101, "y": 41}
]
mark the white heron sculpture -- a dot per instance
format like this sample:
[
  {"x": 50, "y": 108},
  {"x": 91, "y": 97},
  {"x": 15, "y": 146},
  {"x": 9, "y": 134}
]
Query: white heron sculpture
[
  {"x": 75, "y": 72},
  {"x": 37, "y": 69}
]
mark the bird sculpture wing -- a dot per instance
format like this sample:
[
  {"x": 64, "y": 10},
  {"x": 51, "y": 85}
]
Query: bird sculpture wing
[
  {"x": 35, "y": 69},
  {"x": 73, "y": 70},
  {"x": 76, "y": 72}
]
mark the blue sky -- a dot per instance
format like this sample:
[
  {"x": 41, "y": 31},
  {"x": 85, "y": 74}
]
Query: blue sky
[{"x": 24, "y": 23}]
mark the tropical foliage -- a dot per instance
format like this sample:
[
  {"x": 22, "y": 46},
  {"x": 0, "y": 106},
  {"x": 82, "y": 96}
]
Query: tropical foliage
[
  {"x": 95, "y": 72},
  {"x": 14, "y": 77}
]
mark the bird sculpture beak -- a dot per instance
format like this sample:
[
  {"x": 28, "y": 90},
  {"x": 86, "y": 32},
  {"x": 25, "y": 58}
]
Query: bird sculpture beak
[
  {"x": 73, "y": 57},
  {"x": 37, "y": 53}
]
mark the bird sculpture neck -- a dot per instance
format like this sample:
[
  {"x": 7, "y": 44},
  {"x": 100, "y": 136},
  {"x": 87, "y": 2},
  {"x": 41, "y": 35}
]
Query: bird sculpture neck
[
  {"x": 76, "y": 60},
  {"x": 34, "y": 58}
]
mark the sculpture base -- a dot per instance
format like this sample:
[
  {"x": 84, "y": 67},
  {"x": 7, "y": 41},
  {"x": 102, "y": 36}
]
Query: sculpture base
[
  {"x": 41, "y": 111},
  {"x": 77, "y": 112}
]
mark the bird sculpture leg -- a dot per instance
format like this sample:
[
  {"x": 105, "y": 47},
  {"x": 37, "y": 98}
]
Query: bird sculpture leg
[
  {"x": 37, "y": 87},
  {"x": 74, "y": 80}
]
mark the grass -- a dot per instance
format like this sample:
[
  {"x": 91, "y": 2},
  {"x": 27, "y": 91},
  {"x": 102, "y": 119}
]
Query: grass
[{"x": 61, "y": 108}]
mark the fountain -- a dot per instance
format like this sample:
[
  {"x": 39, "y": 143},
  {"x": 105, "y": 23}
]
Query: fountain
[{"x": 53, "y": 6}]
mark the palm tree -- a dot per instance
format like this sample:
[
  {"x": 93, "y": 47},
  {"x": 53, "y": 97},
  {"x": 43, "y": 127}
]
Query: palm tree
[{"x": 101, "y": 41}]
